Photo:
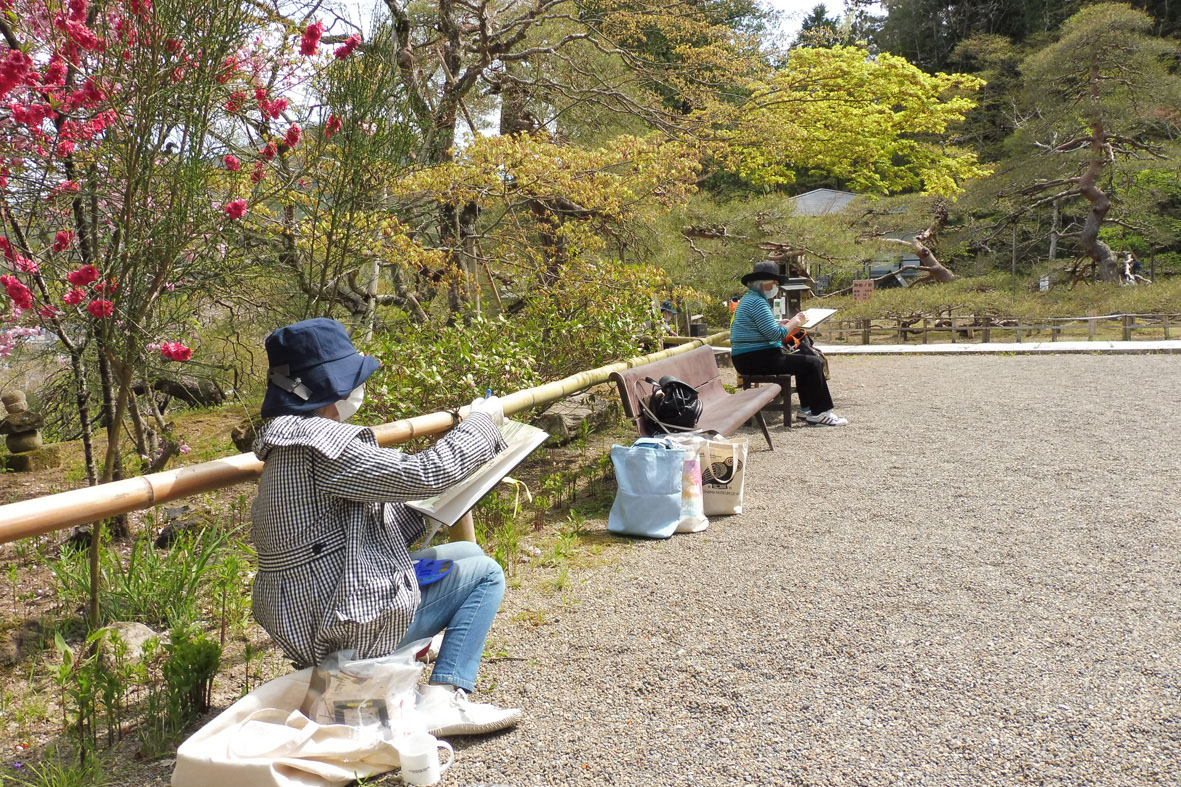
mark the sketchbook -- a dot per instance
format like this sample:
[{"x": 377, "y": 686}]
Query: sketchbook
[
  {"x": 817, "y": 316},
  {"x": 448, "y": 506}
]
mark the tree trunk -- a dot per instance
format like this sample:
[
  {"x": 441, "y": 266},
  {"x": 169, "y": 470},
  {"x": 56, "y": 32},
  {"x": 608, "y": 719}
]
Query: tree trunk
[
  {"x": 1055, "y": 228},
  {"x": 1089, "y": 241}
]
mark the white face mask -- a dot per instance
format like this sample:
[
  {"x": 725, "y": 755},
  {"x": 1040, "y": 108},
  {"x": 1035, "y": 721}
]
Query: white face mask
[
  {"x": 770, "y": 290},
  {"x": 348, "y": 407}
]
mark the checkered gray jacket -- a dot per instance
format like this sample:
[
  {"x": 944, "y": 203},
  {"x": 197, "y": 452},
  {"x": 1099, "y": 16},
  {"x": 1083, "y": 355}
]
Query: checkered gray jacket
[{"x": 334, "y": 567}]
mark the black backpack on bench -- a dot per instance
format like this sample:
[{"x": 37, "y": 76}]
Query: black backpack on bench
[{"x": 673, "y": 406}]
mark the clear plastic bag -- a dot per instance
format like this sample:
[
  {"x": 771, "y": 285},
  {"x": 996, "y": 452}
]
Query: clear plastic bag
[{"x": 376, "y": 695}]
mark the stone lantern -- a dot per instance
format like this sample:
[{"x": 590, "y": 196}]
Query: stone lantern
[{"x": 22, "y": 437}]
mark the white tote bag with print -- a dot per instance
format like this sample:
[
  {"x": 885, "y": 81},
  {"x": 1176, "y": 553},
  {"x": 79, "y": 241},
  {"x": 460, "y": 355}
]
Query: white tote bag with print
[{"x": 723, "y": 465}]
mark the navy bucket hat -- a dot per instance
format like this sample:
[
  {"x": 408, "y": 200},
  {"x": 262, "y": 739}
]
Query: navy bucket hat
[{"x": 312, "y": 363}]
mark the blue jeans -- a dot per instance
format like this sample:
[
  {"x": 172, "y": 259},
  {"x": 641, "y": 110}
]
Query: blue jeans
[{"x": 463, "y": 602}]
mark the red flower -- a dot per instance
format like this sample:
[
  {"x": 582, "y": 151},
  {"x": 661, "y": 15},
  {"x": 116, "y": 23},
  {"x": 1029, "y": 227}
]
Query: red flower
[
  {"x": 175, "y": 351},
  {"x": 100, "y": 309},
  {"x": 55, "y": 72},
  {"x": 18, "y": 292},
  {"x": 83, "y": 276},
  {"x": 235, "y": 209},
  {"x": 346, "y": 49},
  {"x": 105, "y": 287},
  {"x": 293, "y": 135},
  {"x": 48, "y": 312},
  {"x": 269, "y": 151},
  {"x": 74, "y": 297},
  {"x": 6, "y": 247},
  {"x": 310, "y": 43},
  {"x": 260, "y": 172},
  {"x": 62, "y": 240},
  {"x": 332, "y": 126},
  {"x": 275, "y": 108},
  {"x": 235, "y": 101},
  {"x": 232, "y": 163}
]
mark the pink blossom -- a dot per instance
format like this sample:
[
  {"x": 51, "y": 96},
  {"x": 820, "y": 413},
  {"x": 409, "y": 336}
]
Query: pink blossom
[
  {"x": 235, "y": 101},
  {"x": 184, "y": 449},
  {"x": 74, "y": 296},
  {"x": 105, "y": 287},
  {"x": 269, "y": 151},
  {"x": 17, "y": 291},
  {"x": 62, "y": 240},
  {"x": 65, "y": 147},
  {"x": 235, "y": 209},
  {"x": 6, "y": 247},
  {"x": 332, "y": 126},
  {"x": 14, "y": 70},
  {"x": 78, "y": 10},
  {"x": 347, "y": 48},
  {"x": 100, "y": 309},
  {"x": 24, "y": 264},
  {"x": 293, "y": 135},
  {"x": 232, "y": 163},
  {"x": 83, "y": 276},
  {"x": 229, "y": 67},
  {"x": 65, "y": 187},
  {"x": 260, "y": 172},
  {"x": 48, "y": 312},
  {"x": 276, "y": 108},
  {"x": 310, "y": 43},
  {"x": 175, "y": 351},
  {"x": 55, "y": 73}
]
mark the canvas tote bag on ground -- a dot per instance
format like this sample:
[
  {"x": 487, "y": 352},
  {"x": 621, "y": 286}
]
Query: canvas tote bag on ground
[
  {"x": 262, "y": 740},
  {"x": 723, "y": 465},
  {"x": 648, "y": 501}
]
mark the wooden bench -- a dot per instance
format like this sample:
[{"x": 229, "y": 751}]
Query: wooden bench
[
  {"x": 785, "y": 387},
  {"x": 721, "y": 411}
]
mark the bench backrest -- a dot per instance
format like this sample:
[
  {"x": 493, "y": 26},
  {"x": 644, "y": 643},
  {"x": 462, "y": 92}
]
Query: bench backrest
[{"x": 698, "y": 368}]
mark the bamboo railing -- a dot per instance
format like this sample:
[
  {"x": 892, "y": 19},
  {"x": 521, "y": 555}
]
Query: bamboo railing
[{"x": 89, "y": 504}]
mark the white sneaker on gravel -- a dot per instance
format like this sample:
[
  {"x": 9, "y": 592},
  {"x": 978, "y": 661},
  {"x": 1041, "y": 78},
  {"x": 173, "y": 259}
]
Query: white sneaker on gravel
[
  {"x": 827, "y": 418},
  {"x": 448, "y": 711},
  {"x": 803, "y": 413}
]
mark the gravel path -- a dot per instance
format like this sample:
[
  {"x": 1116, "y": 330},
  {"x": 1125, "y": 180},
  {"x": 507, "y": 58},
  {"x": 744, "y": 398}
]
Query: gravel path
[{"x": 977, "y": 583}]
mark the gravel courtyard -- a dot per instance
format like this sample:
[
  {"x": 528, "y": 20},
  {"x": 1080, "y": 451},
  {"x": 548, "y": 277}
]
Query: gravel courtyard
[{"x": 976, "y": 582}]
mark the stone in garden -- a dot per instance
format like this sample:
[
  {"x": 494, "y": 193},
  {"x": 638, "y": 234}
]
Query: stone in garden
[
  {"x": 243, "y": 434},
  {"x": 134, "y": 635},
  {"x": 577, "y": 415},
  {"x": 22, "y": 437}
]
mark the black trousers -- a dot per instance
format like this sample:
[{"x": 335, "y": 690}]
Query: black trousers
[{"x": 807, "y": 368}]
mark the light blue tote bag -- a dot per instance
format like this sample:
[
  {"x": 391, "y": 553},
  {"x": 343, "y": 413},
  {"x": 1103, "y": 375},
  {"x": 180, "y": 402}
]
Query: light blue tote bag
[{"x": 648, "y": 502}]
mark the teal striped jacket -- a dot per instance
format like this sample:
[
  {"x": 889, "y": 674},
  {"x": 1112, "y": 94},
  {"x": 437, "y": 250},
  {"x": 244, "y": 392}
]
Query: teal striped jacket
[{"x": 754, "y": 327}]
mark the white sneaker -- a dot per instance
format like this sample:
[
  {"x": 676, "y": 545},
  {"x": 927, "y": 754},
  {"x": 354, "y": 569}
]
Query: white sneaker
[
  {"x": 803, "y": 413},
  {"x": 430, "y": 654},
  {"x": 827, "y": 418},
  {"x": 448, "y": 711}
]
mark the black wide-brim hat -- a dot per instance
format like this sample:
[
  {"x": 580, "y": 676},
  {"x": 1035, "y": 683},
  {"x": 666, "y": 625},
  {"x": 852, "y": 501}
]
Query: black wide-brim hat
[
  {"x": 767, "y": 270},
  {"x": 312, "y": 363}
]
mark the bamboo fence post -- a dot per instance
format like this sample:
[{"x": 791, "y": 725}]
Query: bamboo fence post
[{"x": 88, "y": 504}]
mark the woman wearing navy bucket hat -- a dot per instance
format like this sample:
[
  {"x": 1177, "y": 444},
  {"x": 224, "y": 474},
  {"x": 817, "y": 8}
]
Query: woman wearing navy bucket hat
[
  {"x": 332, "y": 533},
  {"x": 756, "y": 345}
]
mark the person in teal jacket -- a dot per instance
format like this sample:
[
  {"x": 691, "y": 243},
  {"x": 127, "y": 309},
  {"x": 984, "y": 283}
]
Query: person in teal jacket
[{"x": 756, "y": 345}]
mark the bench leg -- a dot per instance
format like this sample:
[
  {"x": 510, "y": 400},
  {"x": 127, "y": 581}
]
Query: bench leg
[{"x": 763, "y": 425}]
